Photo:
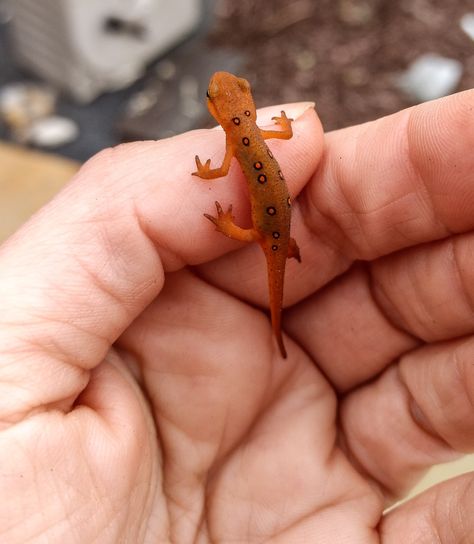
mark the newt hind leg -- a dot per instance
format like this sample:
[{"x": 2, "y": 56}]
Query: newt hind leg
[
  {"x": 224, "y": 223},
  {"x": 294, "y": 250}
]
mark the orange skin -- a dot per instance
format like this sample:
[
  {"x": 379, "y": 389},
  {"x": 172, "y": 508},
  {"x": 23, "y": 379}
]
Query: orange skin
[{"x": 230, "y": 102}]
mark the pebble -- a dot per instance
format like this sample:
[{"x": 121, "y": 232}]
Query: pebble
[
  {"x": 143, "y": 101},
  {"x": 356, "y": 12},
  {"x": 20, "y": 103},
  {"x": 305, "y": 60},
  {"x": 467, "y": 24},
  {"x": 166, "y": 70},
  {"x": 190, "y": 103},
  {"x": 431, "y": 76},
  {"x": 52, "y": 131}
]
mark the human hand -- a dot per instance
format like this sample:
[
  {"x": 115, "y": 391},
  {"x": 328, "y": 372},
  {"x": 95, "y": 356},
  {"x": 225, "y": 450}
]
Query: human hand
[{"x": 191, "y": 427}]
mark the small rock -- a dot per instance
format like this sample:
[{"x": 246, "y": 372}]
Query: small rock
[
  {"x": 467, "y": 24},
  {"x": 165, "y": 70},
  {"x": 431, "y": 76},
  {"x": 21, "y": 103},
  {"x": 190, "y": 104},
  {"x": 355, "y": 12},
  {"x": 356, "y": 76},
  {"x": 305, "y": 60},
  {"x": 142, "y": 101},
  {"x": 6, "y": 14},
  {"x": 52, "y": 131}
]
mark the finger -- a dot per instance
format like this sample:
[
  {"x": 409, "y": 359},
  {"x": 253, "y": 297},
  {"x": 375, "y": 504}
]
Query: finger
[
  {"x": 416, "y": 414},
  {"x": 373, "y": 315},
  {"x": 442, "y": 514},
  {"x": 87, "y": 264},
  {"x": 396, "y": 182},
  {"x": 428, "y": 291},
  {"x": 344, "y": 329}
]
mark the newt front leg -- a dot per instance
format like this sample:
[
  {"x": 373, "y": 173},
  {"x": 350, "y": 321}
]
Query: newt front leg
[
  {"x": 284, "y": 134},
  {"x": 205, "y": 171}
]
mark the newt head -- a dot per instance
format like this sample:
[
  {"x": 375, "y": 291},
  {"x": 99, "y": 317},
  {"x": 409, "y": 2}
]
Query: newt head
[{"x": 229, "y": 99}]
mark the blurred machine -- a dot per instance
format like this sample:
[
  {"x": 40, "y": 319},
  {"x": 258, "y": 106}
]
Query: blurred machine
[{"x": 85, "y": 47}]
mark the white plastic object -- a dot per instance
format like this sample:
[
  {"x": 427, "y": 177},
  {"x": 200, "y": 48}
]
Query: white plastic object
[{"x": 86, "y": 47}]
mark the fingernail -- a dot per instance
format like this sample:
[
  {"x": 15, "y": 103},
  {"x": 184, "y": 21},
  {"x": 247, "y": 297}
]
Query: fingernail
[
  {"x": 302, "y": 108},
  {"x": 293, "y": 111}
]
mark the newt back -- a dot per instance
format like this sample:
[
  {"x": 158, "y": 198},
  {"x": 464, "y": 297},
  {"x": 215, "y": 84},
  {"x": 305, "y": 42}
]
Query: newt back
[{"x": 231, "y": 103}]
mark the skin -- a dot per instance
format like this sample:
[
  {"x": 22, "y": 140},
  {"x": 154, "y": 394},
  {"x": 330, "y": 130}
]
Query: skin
[
  {"x": 131, "y": 411},
  {"x": 230, "y": 102}
]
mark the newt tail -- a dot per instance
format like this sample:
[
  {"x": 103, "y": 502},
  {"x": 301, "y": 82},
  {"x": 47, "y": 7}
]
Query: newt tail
[
  {"x": 276, "y": 276},
  {"x": 230, "y": 102}
]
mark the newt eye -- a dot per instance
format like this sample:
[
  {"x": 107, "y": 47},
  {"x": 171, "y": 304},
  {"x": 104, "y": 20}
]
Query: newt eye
[{"x": 207, "y": 94}]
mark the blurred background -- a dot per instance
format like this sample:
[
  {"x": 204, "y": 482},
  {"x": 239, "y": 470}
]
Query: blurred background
[
  {"x": 77, "y": 76},
  {"x": 120, "y": 70}
]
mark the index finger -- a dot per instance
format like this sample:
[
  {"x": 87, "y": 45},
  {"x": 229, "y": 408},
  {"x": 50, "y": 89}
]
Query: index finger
[{"x": 396, "y": 182}]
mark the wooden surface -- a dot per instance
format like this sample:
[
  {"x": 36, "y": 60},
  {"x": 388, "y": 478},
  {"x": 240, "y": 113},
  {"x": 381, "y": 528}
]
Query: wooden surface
[
  {"x": 28, "y": 179},
  {"x": 444, "y": 472}
]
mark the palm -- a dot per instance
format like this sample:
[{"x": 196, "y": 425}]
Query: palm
[{"x": 253, "y": 439}]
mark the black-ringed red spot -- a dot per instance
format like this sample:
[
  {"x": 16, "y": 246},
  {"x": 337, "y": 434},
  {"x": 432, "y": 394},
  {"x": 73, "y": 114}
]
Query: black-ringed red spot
[
  {"x": 236, "y": 121},
  {"x": 262, "y": 178},
  {"x": 288, "y": 201},
  {"x": 274, "y": 247},
  {"x": 276, "y": 235},
  {"x": 245, "y": 141},
  {"x": 271, "y": 210},
  {"x": 258, "y": 165},
  {"x": 280, "y": 173},
  {"x": 247, "y": 113},
  {"x": 270, "y": 154}
]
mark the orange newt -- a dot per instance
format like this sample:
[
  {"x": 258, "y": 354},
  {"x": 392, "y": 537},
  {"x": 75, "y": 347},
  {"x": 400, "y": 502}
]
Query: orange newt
[{"x": 230, "y": 102}]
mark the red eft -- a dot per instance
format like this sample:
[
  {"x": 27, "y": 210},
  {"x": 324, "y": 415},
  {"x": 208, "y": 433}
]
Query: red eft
[{"x": 230, "y": 102}]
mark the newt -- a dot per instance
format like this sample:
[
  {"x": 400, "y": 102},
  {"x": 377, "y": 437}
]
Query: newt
[{"x": 230, "y": 102}]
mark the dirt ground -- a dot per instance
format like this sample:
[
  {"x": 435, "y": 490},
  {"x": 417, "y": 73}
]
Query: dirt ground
[{"x": 346, "y": 55}]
